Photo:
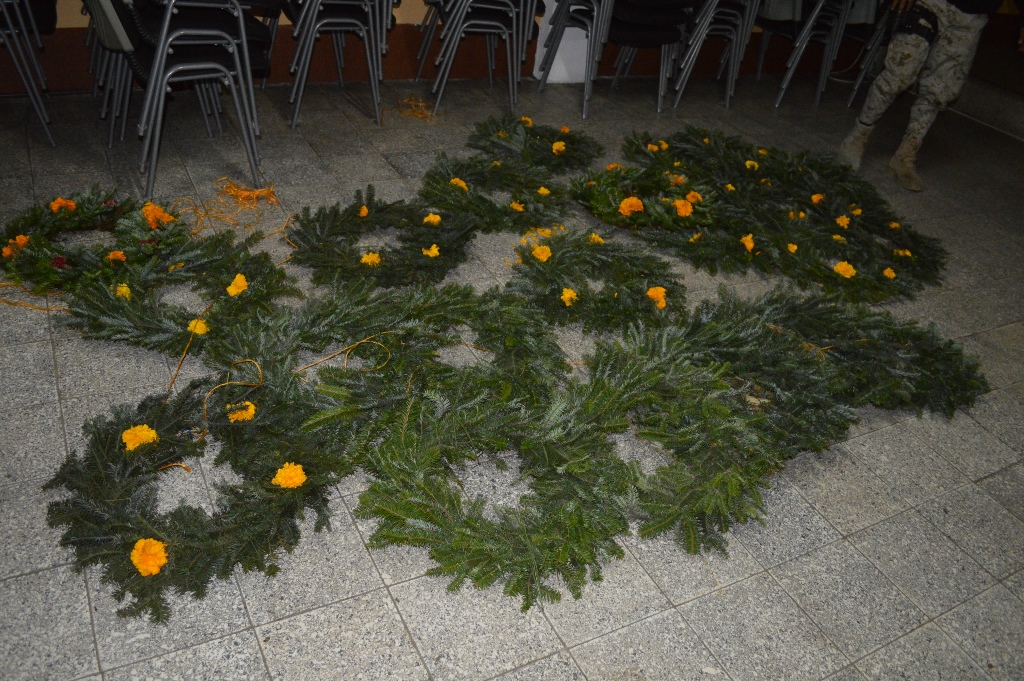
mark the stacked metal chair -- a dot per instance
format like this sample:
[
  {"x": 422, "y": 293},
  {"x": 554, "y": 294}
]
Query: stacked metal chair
[
  {"x": 367, "y": 19},
  {"x": 823, "y": 21},
  {"x": 638, "y": 24},
  {"x": 510, "y": 20},
  {"x": 594, "y": 18},
  {"x": 210, "y": 51},
  {"x": 732, "y": 20},
  {"x": 874, "y": 44},
  {"x": 17, "y": 25}
]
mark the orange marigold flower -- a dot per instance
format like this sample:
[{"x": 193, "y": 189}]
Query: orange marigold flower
[
  {"x": 676, "y": 180},
  {"x": 148, "y": 556},
  {"x": 683, "y": 207},
  {"x": 558, "y": 148},
  {"x": 370, "y": 259},
  {"x": 289, "y": 476},
  {"x": 564, "y": 130},
  {"x": 844, "y": 269},
  {"x": 801, "y": 215},
  {"x": 791, "y": 248},
  {"x": 817, "y": 198},
  {"x": 568, "y": 296},
  {"x": 432, "y": 219},
  {"x": 155, "y": 215},
  {"x": 762, "y": 152},
  {"x": 730, "y": 188},
  {"x": 748, "y": 242},
  {"x": 613, "y": 166},
  {"x": 652, "y": 147},
  {"x": 901, "y": 252},
  {"x": 857, "y": 212},
  {"x": 543, "y": 191},
  {"x": 839, "y": 237},
  {"x": 502, "y": 134},
  {"x": 7, "y": 252},
  {"x": 21, "y": 241},
  {"x": 595, "y": 238},
  {"x": 630, "y": 205},
  {"x": 431, "y": 252},
  {"x": 542, "y": 253},
  {"x": 238, "y": 284},
  {"x": 657, "y": 294},
  {"x": 517, "y": 206},
  {"x": 663, "y": 145},
  {"x": 843, "y": 221},
  {"x": 456, "y": 182},
  {"x": 894, "y": 225},
  {"x": 694, "y": 197},
  {"x": 198, "y": 327},
  {"x": 60, "y": 203},
  {"x": 707, "y": 141},
  {"x": 526, "y": 121},
  {"x": 116, "y": 256},
  {"x": 889, "y": 273},
  {"x": 243, "y": 411},
  {"x": 363, "y": 211},
  {"x": 136, "y": 436},
  {"x": 175, "y": 266}
]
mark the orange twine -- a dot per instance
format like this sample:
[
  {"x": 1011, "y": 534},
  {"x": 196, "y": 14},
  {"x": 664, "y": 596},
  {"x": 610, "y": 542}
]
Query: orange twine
[
  {"x": 414, "y": 105},
  {"x": 348, "y": 350},
  {"x": 179, "y": 465},
  {"x": 215, "y": 388},
  {"x": 220, "y": 210}
]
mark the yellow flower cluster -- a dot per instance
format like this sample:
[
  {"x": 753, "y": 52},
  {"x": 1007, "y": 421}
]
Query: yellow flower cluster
[
  {"x": 363, "y": 211},
  {"x": 432, "y": 219},
  {"x": 657, "y": 294},
  {"x": 791, "y": 248},
  {"x": 431, "y": 252},
  {"x": 243, "y": 411},
  {"x": 136, "y": 436},
  {"x": 544, "y": 191},
  {"x": 817, "y": 198},
  {"x": 595, "y": 238},
  {"x": 630, "y": 205},
  {"x": 793, "y": 215},
  {"x": 370, "y": 259},
  {"x": 123, "y": 291},
  {"x": 751, "y": 165},
  {"x": 541, "y": 252},
  {"x": 844, "y": 269},
  {"x": 694, "y": 238},
  {"x": 517, "y": 206},
  {"x": 198, "y": 327},
  {"x": 155, "y": 215},
  {"x": 237, "y": 286},
  {"x": 526, "y": 121},
  {"x": 568, "y": 297},
  {"x": 148, "y": 556},
  {"x": 558, "y": 148},
  {"x": 901, "y": 252},
  {"x": 289, "y": 476},
  {"x": 889, "y": 273},
  {"x": 730, "y": 188},
  {"x": 456, "y": 182},
  {"x": 683, "y": 207},
  {"x": 60, "y": 203},
  {"x": 843, "y": 221},
  {"x": 748, "y": 242}
]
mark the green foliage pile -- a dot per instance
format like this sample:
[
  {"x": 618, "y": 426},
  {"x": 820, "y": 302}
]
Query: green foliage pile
[
  {"x": 770, "y": 195},
  {"x": 727, "y": 392}
]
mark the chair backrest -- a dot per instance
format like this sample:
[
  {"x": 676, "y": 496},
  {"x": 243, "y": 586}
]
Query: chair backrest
[{"x": 112, "y": 24}]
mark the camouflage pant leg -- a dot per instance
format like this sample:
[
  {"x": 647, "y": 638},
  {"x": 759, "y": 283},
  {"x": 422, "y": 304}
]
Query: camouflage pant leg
[
  {"x": 945, "y": 70},
  {"x": 942, "y": 67},
  {"x": 904, "y": 60}
]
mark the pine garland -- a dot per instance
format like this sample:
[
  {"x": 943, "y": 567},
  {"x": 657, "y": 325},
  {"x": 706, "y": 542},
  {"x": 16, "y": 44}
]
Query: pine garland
[{"x": 728, "y": 391}]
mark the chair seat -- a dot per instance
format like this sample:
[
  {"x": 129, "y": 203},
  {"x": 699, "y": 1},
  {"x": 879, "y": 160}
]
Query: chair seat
[
  {"x": 218, "y": 20},
  {"x": 642, "y": 15}
]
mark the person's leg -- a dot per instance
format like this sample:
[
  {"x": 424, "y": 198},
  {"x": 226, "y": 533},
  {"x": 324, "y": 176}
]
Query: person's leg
[
  {"x": 906, "y": 55},
  {"x": 942, "y": 78}
]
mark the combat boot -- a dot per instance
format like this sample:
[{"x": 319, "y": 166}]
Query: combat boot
[
  {"x": 852, "y": 148},
  {"x": 901, "y": 166}
]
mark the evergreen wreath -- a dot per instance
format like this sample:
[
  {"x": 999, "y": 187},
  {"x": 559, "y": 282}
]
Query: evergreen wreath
[{"x": 728, "y": 391}]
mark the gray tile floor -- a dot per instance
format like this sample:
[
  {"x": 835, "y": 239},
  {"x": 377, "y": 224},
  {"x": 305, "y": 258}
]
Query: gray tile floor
[{"x": 895, "y": 555}]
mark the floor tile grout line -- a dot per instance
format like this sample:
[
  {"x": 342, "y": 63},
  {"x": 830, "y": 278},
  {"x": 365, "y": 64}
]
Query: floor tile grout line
[
  {"x": 387, "y": 588},
  {"x": 252, "y": 625},
  {"x": 175, "y": 651},
  {"x": 92, "y": 622},
  {"x": 558, "y": 635}
]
